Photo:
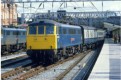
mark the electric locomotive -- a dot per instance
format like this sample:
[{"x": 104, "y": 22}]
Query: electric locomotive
[
  {"x": 48, "y": 40},
  {"x": 12, "y": 39}
]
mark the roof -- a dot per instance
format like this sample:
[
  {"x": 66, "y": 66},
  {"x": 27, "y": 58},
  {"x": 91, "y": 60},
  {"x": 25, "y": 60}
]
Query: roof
[
  {"x": 54, "y": 22},
  {"x": 88, "y": 27},
  {"x": 14, "y": 29},
  {"x": 110, "y": 26}
]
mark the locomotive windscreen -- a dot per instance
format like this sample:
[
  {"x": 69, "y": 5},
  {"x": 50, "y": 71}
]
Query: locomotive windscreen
[
  {"x": 32, "y": 30},
  {"x": 42, "y": 29},
  {"x": 49, "y": 29}
]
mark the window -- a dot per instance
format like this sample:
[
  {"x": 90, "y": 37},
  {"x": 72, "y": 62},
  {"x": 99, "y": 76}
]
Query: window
[
  {"x": 49, "y": 29},
  {"x": 7, "y": 32},
  {"x": 79, "y": 31},
  {"x": 72, "y": 31},
  {"x": 19, "y": 33},
  {"x": 41, "y": 29},
  {"x": 60, "y": 30},
  {"x": 24, "y": 33},
  {"x": 32, "y": 30},
  {"x": 100, "y": 33},
  {"x": 87, "y": 33},
  {"x": 14, "y": 33},
  {"x": 64, "y": 31},
  {"x": 1, "y": 31}
]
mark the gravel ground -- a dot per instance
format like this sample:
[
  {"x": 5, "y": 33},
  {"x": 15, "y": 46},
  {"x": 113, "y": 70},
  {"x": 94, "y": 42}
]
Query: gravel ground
[{"x": 52, "y": 73}]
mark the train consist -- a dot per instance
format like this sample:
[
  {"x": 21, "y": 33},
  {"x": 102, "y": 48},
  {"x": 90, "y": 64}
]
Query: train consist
[
  {"x": 49, "y": 41},
  {"x": 12, "y": 39}
]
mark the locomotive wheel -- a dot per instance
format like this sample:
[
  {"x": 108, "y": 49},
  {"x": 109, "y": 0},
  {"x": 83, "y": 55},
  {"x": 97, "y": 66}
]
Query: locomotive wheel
[{"x": 59, "y": 56}]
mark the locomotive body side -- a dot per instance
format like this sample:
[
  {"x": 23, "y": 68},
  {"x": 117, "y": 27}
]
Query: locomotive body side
[{"x": 69, "y": 36}]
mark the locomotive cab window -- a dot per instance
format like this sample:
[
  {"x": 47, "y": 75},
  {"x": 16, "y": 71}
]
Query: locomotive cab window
[
  {"x": 49, "y": 29},
  {"x": 32, "y": 30},
  {"x": 7, "y": 32},
  {"x": 41, "y": 29}
]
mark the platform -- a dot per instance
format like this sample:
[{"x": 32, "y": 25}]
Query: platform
[
  {"x": 108, "y": 64},
  {"x": 13, "y": 56}
]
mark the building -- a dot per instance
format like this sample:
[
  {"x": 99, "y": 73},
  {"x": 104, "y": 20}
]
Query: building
[{"x": 8, "y": 14}]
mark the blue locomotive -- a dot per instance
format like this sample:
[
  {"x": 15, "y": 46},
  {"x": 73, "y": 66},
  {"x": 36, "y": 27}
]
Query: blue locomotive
[
  {"x": 48, "y": 40},
  {"x": 12, "y": 39}
]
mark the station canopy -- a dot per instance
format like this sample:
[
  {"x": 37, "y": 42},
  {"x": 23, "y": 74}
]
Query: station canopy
[{"x": 110, "y": 26}]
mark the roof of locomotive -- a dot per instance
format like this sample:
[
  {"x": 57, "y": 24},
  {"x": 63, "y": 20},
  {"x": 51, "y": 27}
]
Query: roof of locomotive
[
  {"x": 55, "y": 23},
  {"x": 13, "y": 29}
]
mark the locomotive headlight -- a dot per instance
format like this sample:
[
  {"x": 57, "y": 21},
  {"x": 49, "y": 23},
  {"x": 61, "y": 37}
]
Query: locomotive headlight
[
  {"x": 30, "y": 47},
  {"x": 45, "y": 38},
  {"x": 51, "y": 47}
]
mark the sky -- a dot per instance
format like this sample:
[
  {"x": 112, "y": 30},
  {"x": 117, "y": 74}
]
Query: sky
[{"x": 107, "y": 5}]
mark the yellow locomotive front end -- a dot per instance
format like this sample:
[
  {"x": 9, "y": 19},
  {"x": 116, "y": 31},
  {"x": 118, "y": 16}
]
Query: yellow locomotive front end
[
  {"x": 41, "y": 37},
  {"x": 41, "y": 41}
]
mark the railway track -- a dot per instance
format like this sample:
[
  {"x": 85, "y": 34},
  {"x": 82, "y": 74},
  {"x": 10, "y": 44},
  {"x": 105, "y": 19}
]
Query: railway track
[
  {"x": 16, "y": 71},
  {"x": 23, "y": 73},
  {"x": 13, "y": 62},
  {"x": 11, "y": 53}
]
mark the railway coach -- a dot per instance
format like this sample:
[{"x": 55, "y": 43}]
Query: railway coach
[{"x": 90, "y": 36}]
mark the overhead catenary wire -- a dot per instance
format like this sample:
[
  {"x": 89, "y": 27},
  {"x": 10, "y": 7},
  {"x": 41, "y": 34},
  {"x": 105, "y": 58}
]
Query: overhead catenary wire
[
  {"x": 37, "y": 9},
  {"x": 102, "y": 6},
  {"x": 94, "y": 6}
]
